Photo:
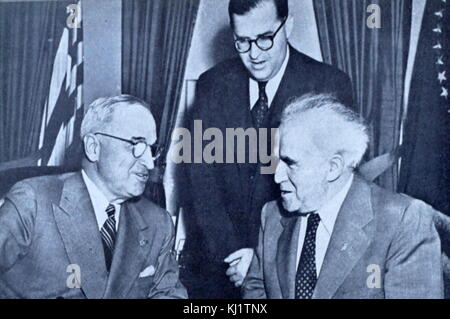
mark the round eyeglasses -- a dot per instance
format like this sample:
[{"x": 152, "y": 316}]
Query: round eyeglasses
[
  {"x": 264, "y": 42},
  {"x": 139, "y": 145}
]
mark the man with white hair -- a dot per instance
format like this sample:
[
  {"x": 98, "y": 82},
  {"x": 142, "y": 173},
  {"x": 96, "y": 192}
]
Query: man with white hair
[
  {"x": 333, "y": 234},
  {"x": 90, "y": 234}
]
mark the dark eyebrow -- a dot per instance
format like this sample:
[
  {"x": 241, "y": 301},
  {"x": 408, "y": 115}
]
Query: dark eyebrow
[
  {"x": 257, "y": 36},
  {"x": 287, "y": 160}
]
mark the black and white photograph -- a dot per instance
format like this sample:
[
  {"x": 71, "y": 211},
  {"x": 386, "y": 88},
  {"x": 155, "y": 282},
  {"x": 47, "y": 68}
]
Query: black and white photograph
[{"x": 224, "y": 150}]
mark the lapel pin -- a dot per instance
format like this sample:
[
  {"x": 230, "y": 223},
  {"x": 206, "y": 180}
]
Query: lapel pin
[{"x": 142, "y": 242}]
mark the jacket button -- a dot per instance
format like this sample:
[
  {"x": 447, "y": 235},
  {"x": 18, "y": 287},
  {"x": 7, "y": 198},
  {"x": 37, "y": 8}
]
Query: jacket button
[{"x": 142, "y": 242}]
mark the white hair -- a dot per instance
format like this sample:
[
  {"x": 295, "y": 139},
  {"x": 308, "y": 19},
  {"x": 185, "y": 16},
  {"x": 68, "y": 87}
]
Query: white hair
[
  {"x": 100, "y": 112},
  {"x": 334, "y": 128}
]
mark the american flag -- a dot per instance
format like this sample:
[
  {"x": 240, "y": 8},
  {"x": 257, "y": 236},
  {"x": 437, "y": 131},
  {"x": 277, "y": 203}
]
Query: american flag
[
  {"x": 425, "y": 168},
  {"x": 64, "y": 107}
]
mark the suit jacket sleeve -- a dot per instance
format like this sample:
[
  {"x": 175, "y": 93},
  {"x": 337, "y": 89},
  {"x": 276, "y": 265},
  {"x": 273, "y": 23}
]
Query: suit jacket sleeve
[
  {"x": 166, "y": 283},
  {"x": 413, "y": 268},
  {"x": 208, "y": 207},
  {"x": 202, "y": 174},
  {"x": 17, "y": 216},
  {"x": 199, "y": 174},
  {"x": 253, "y": 286}
]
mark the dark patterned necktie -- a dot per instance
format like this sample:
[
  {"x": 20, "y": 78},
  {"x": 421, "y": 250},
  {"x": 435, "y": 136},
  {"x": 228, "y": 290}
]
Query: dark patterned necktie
[
  {"x": 261, "y": 106},
  {"x": 108, "y": 232},
  {"x": 306, "y": 278}
]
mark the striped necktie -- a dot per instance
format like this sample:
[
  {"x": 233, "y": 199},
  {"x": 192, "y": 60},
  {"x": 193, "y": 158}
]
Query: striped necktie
[{"x": 108, "y": 233}]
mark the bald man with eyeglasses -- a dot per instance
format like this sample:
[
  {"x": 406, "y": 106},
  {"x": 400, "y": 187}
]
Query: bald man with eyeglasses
[
  {"x": 90, "y": 234},
  {"x": 223, "y": 202}
]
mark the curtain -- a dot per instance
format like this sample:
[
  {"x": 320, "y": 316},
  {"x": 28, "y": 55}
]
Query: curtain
[
  {"x": 156, "y": 40},
  {"x": 29, "y": 36},
  {"x": 425, "y": 166},
  {"x": 375, "y": 59}
]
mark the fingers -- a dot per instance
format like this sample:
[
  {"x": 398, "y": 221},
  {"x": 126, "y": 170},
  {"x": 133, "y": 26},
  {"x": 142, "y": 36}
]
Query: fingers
[
  {"x": 239, "y": 262},
  {"x": 236, "y": 278},
  {"x": 236, "y": 255},
  {"x": 231, "y": 271}
]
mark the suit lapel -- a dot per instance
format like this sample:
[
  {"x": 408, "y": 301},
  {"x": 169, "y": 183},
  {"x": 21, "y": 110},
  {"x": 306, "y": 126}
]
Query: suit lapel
[
  {"x": 236, "y": 99},
  {"x": 77, "y": 224},
  {"x": 350, "y": 239},
  {"x": 287, "y": 255},
  {"x": 134, "y": 242}
]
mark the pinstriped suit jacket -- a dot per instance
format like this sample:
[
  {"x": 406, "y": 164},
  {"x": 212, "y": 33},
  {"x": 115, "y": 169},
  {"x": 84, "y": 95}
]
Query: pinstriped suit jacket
[{"x": 47, "y": 223}]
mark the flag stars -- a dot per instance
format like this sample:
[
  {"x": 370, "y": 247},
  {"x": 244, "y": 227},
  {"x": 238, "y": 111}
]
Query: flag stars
[
  {"x": 438, "y": 29},
  {"x": 440, "y": 60},
  {"x": 438, "y": 46},
  {"x": 440, "y": 13},
  {"x": 442, "y": 77},
  {"x": 444, "y": 93}
]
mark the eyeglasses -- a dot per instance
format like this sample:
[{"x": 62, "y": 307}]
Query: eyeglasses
[
  {"x": 264, "y": 42},
  {"x": 139, "y": 145}
]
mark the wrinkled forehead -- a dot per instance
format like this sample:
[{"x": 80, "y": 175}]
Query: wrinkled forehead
[
  {"x": 293, "y": 129},
  {"x": 133, "y": 120}
]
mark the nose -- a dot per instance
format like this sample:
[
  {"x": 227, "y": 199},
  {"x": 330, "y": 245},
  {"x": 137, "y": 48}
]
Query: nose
[
  {"x": 254, "y": 51},
  {"x": 280, "y": 173},
  {"x": 147, "y": 159}
]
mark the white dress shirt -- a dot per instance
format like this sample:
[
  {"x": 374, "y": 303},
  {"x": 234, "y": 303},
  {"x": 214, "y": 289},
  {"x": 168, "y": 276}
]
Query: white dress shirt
[
  {"x": 272, "y": 84},
  {"x": 328, "y": 214},
  {"x": 99, "y": 202}
]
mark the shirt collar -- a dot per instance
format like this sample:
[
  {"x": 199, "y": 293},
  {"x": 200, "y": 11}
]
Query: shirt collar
[
  {"x": 99, "y": 201},
  {"x": 275, "y": 81},
  {"x": 329, "y": 212},
  {"x": 272, "y": 84}
]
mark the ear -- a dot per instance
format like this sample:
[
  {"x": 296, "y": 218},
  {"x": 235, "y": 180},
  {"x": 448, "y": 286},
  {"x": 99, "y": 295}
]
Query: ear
[
  {"x": 289, "y": 25},
  {"x": 91, "y": 147},
  {"x": 336, "y": 168}
]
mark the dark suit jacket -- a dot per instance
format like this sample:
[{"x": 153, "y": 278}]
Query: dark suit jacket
[
  {"x": 48, "y": 223},
  {"x": 374, "y": 227},
  {"x": 223, "y": 201}
]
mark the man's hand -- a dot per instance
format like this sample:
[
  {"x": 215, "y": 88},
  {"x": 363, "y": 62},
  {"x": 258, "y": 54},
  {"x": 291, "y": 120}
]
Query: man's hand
[{"x": 239, "y": 262}]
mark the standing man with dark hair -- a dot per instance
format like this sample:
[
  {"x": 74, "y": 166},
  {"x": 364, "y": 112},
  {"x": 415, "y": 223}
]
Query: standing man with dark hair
[{"x": 249, "y": 91}]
